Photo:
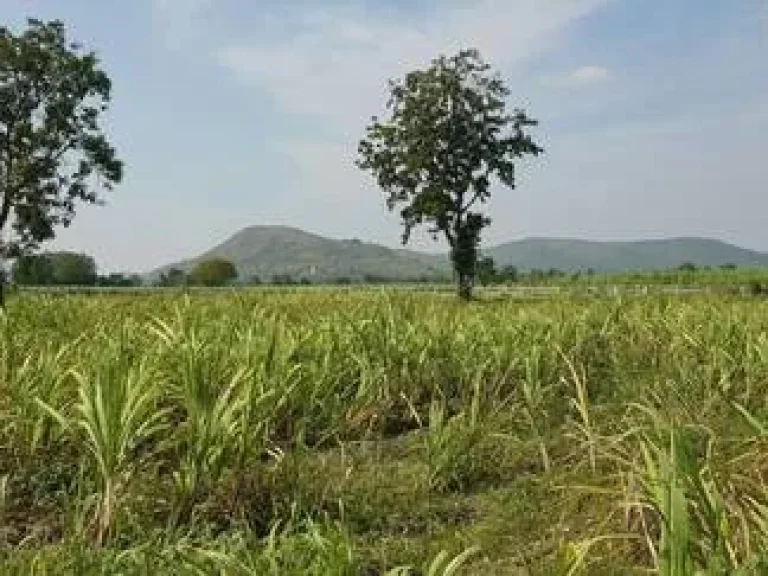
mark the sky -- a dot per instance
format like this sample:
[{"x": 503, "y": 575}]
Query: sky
[{"x": 230, "y": 113}]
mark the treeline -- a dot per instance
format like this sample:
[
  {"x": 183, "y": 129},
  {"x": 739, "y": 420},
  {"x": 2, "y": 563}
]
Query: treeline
[
  {"x": 177, "y": 277},
  {"x": 76, "y": 269},
  {"x": 65, "y": 269},
  {"x": 488, "y": 274},
  {"x": 686, "y": 273},
  {"x": 211, "y": 273}
]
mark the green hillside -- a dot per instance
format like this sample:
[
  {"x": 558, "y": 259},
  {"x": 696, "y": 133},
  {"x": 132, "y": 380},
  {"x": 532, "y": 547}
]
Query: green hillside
[
  {"x": 267, "y": 251},
  {"x": 571, "y": 255}
]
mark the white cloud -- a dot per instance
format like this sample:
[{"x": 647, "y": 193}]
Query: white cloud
[
  {"x": 338, "y": 66},
  {"x": 584, "y": 75}
]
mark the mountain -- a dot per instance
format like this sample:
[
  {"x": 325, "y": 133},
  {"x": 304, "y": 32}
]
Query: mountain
[
  {"x": 267, "y": 251},
  {"x": 572, "y": 255}
]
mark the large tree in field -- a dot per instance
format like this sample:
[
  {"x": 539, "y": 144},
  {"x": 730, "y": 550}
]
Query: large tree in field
[
  {"x": 448, "y": 136},
  {"x": 53, "y": 151}
]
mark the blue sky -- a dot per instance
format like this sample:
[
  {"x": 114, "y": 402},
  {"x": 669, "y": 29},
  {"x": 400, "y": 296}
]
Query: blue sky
[{"x": 228, "y": 113}]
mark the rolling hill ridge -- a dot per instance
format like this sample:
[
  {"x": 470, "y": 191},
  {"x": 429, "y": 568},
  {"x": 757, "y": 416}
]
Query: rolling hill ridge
[{"x": 268, "y": 251}]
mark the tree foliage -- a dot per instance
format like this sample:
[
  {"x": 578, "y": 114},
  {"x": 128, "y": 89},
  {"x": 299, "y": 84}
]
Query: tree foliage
[
  {"x": 173, "y": 277},
  {"x": 119, "y": 280},
  {"x": 53, "y": 151},
  {"x": 213, "y": 272},
  {"x": 55, "y": 269},
  {"x": 486, "y": 271},
  {"x": 72, "y": 269},
  {"x": 448, "y": 136},
  {"x": 33, "y": 271}
]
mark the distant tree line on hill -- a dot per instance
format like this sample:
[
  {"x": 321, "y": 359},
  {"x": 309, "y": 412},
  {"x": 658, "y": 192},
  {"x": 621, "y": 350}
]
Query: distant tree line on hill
[
  {"x": 177, "y": 277},
  {"x": 344, "y": 280},
  {"x": 488, "y": 274}
]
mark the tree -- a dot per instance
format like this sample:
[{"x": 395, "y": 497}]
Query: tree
[
  {"x": 448, "y": 136},
  {"x": 510, "y": 274},
  {"x": 55, "y": 269},
  {"x": 486, "y": 270},
  {"x": 173, "y": 277},
  {"x": 213, "y": 272},
  {"x": 282, "y": 280},
  {"x": 71, "y": 269},
  {"x": 53, "y": 152},
  {"x": 32, "y": 270},
  {"x": 119, "y": 280}
]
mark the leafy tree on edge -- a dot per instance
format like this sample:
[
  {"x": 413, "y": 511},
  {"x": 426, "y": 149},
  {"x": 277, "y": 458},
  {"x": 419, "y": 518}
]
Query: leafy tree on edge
[{"x": 53, "y": 152}]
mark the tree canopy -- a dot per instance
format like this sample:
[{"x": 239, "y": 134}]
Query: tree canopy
[
  {"x": 486, "y": 270},
  {"x": 55, "y": 269},
  {"x": 213, "y": 272},
  {"x": 447, "y": 137},
  {"x": 172, "y": 277},
  {"x": 32, "y": 271}
]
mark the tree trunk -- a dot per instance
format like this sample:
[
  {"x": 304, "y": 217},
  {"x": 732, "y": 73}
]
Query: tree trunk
[
  {"x": 463, "y": 258},
  {"x": 465, "y": 287},
  {"x": 2, "y": 278}
]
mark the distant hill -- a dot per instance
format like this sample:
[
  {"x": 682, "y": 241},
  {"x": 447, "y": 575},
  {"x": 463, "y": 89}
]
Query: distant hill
[
  {"x": 572, "y": 255},
  {"x": 267, "y": 251}
]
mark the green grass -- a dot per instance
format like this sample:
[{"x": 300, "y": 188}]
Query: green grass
[{"x": 343, "y": 432}]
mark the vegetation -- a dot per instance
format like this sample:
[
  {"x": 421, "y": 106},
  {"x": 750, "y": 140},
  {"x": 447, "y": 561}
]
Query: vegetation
[
  {"x": 283, "y": 253},
  {"x": 448, "y": 137},
  {"x": 213, "y": 272},
  {"x": 55, "y": 269},
  {"x": 65, "y": 269},
  {"x": 279, "y": 255},
  {"x": 173, "y": 277},
  {"x": 385, "y": 433},
  {"x": 238, "y": 433},
  {"x": 572, "y": 256},
  {"x": 53, "y": 153},
  {"x": 119, "y": 280},
  {"x": 705, "y": 277}
]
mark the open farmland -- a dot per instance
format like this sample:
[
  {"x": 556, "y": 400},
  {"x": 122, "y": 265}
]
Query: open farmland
[{"x": 330, "y": 432}]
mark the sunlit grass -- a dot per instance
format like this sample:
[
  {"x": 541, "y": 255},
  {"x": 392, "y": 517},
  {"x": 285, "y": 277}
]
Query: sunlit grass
[{"x": 325, "y": 432}]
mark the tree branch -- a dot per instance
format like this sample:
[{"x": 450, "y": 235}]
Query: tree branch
[
  {"x": 449, "y": 236},
  {"x": 5, "y": 207},
  {"x": 469, "y": 204}
]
